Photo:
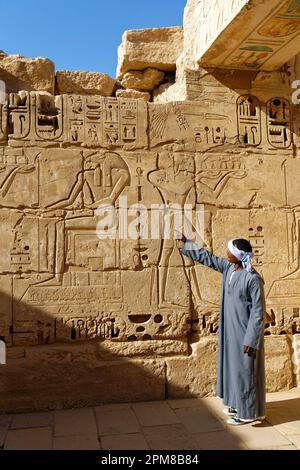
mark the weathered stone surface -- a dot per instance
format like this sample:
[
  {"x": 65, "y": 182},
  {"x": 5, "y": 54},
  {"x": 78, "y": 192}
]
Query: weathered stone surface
[
  {"x": 22, "y": 73},
  {"x": 143, "y": 81},
  {"x": 47, "y": 376},
  {"x": 195, "y": 375},
  {"x": 158, "y": 48},
  {"x": 296, "y": 357},
  {"x": 90, "y": 83},
  {"x": 279, "y": 372},
  {"x": 167, "y": 348},
  {"x": 134, "y": 94},
  {"x": 162, "y": 93}
]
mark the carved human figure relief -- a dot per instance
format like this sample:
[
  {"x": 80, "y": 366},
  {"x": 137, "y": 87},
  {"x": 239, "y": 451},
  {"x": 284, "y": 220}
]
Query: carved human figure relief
[
  {"x": 102, "y": 181},
  {"x": 175, "y": 180}
]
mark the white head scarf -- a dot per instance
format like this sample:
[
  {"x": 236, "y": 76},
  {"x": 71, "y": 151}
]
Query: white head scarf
[{"x": 243, "y": 256}]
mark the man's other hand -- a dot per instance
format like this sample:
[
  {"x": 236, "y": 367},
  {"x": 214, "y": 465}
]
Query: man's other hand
[
  {"x": 181, "y": 238},
  {"x": 250, "y": 351}
]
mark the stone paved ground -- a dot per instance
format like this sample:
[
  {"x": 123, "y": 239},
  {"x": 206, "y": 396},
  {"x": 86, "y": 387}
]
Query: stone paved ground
[{"x": 172, "y": 425}]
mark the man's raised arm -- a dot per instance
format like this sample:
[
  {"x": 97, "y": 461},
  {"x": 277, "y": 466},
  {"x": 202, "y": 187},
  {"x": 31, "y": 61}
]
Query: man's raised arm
[{"x": 203, "y": 256}]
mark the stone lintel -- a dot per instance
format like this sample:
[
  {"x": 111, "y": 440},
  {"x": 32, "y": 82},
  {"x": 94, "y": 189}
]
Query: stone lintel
[{"x": 250, "y": 35}]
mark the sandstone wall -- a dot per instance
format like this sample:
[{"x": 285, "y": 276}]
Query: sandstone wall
[
  {"x": 89, "y": 320},
  {"x": 77, "y": 308}
]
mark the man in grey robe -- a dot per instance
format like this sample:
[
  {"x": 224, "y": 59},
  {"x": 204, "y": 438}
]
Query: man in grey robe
[{"x": 241, "y": 371}]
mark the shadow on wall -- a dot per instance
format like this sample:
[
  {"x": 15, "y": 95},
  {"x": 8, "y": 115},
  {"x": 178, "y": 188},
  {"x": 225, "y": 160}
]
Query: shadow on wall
[
  {"x": 90, "y": 373},
  {"x": 85, "y": 374},
  {"x": 80, "y": 373}
]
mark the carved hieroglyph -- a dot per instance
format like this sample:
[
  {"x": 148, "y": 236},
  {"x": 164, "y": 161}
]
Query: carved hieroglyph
[{"x": 73, "y": 119}]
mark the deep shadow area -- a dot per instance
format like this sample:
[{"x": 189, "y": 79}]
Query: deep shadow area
[
  {"x": 284, "y": 412},
  {"x": 85, "y": 374}
]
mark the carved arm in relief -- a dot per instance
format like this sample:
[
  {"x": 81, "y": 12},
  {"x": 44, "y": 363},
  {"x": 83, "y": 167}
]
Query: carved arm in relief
[{"x": 8, "y": 181}]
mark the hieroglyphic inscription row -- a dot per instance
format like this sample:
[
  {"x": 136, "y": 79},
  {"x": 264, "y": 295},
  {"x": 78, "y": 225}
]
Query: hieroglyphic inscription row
[
  {"x": 95, "y": 121},
  {"x": 37, "y": 119}
]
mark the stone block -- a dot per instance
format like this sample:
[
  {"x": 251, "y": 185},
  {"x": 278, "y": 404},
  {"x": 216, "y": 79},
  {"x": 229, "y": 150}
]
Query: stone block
[
  {"x": 133, "y": 94},
  {"x": 46, "y": 381},
  {"x": 279, "y": 372},
  {"x": 195, "y": 375},
  {"x": 22, "y": 73},
  {"x": 158, "y": 48},
  {"x": 86, "y": 83},
  {"x": 143, "y": 81},
  {"x": 296, "y": 358}
]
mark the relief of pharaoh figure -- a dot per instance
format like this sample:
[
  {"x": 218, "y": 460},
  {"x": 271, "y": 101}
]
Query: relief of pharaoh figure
[
  {"x": 102, "y": 180},
  {"x": 174, "y": 179}
]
